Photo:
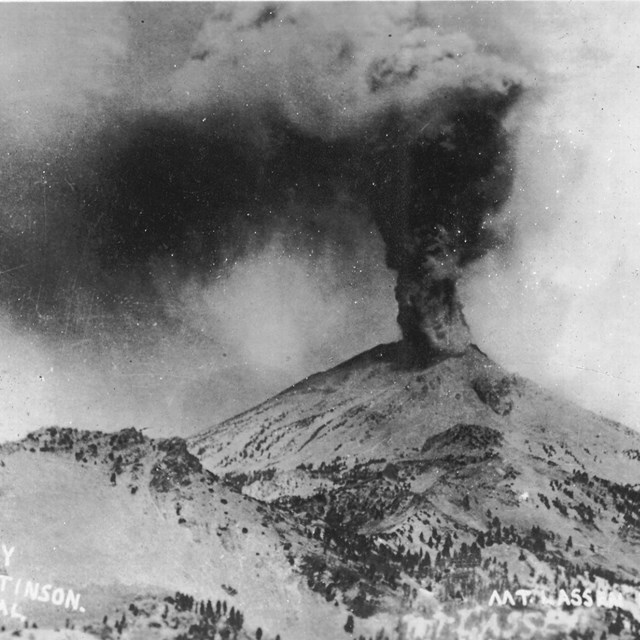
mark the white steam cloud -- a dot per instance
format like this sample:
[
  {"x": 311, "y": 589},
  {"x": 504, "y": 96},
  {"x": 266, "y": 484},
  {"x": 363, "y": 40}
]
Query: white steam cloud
[
  {"x": 333, "y": 69},
  {"x": 562, "y": 306}
]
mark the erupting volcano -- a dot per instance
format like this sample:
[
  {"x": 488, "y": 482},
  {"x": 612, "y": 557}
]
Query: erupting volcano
[
  {"x": 203, "y": 204},
  {"x": 313, "y": 132}
]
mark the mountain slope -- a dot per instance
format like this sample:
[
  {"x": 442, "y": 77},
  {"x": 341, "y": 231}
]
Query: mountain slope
[
  {"x": 116, "y": 517},
  {"x": 371, "y": 408},
  {"x": 501, "y": 483}
]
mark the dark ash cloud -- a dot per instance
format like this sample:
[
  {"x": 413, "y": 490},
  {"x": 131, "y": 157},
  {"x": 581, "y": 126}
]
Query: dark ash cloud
[
  {"x": 409, "y": 116},
  {"x": 157, "y": 169}
]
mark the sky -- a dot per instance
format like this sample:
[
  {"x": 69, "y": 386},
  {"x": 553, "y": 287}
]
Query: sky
[
  {"x": 125, "y": 301},
  {"x": 561, "y": 305}
]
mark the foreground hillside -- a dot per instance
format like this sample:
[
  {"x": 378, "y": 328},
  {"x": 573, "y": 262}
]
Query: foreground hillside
[{"x": 126, "y": 522}]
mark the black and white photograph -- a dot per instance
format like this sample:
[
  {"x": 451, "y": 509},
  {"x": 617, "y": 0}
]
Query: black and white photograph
[{"x": 320, "y": 320}]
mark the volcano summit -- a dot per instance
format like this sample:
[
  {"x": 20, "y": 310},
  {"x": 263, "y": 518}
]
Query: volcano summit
[{"x": 455, "y": 480}]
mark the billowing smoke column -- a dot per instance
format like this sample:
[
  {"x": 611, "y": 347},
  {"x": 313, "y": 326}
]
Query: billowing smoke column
[{"x": 408, "y": 116}]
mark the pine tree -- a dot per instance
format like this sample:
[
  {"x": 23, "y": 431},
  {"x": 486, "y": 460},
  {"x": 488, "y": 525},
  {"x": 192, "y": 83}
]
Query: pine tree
[{"x": 349, "y": 625}]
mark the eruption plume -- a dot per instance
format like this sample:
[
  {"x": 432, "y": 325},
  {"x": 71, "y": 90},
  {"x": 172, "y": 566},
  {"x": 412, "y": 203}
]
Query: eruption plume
[
  {"x": 167, "y": 183},
  {"x": 411, "y": 116}
]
